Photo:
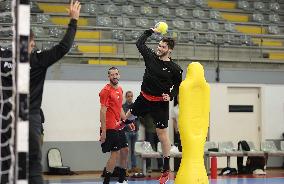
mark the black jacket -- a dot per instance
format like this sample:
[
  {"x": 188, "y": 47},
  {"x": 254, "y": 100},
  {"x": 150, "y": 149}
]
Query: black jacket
[
  {"x": 41, "y": 60},
  {"x": 160, "y": 76}
]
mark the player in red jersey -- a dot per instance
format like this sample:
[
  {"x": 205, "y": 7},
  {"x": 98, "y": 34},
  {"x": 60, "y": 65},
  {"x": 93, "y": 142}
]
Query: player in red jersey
[{"x": 113, "y": 138}]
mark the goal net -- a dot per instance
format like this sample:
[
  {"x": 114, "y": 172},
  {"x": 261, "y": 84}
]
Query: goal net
[{"x": 14, "y": 89}]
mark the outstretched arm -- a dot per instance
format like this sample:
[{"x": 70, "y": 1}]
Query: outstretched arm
[
  {"x": 142, "y": 47},
  {"x": 51, "y": 56}
]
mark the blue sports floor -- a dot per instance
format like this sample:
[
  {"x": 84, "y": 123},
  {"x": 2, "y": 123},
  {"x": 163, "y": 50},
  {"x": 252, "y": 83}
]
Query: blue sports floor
[{"x": 217, "y": 181}]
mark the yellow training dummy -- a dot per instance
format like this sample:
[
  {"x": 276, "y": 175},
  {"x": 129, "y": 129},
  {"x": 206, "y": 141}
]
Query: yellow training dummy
[{"x": 194, "y": 105}]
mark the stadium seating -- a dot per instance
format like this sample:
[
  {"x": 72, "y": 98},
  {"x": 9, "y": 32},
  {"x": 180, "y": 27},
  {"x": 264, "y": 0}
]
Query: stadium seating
[{"x": 120, "y": 22}]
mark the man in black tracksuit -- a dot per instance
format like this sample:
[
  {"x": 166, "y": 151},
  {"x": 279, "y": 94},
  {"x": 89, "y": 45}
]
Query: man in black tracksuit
[
  {"x": 160, "y": 84},
  {"x": 39, "y": 62}
]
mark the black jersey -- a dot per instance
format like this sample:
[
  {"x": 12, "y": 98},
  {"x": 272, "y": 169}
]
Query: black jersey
[
  {"x": 160, "y": 76},
  {"x": 41, "y": 60}
]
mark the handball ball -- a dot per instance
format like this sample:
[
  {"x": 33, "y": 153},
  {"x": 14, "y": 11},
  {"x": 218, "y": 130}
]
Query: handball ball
[{"x": 162, "y": 27}]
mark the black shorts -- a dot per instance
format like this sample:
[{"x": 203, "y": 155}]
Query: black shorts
[
  {"x": 115, "y": 140},
  {"x": 159, "y": 110}
]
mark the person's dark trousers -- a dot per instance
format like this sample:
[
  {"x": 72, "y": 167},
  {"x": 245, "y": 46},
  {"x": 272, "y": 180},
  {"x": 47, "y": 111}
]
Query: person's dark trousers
[
  {"x": 177, "y": 144},
  {"x": 153, "y": 139},
  {"x": 35, "y": 167},
  {"x": 131, "y": 139}
]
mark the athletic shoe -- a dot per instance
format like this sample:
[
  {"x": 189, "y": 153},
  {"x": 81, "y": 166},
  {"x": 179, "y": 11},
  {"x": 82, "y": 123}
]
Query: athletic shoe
[
  {"x": 124, "y": 182},
  {"x": 164, "y": 177}
]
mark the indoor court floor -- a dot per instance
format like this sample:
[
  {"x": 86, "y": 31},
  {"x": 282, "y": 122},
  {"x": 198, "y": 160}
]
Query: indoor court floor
[{"x": 272, "y": 177}]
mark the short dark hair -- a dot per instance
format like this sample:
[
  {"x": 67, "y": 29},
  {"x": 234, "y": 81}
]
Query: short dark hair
[
  {"x": 169, "y": 41},
  {"x": 127, "y": 93},
  {"x": 111, "y": 68}
]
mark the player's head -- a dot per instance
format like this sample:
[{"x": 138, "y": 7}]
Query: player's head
[
  {"x": 165, "y": 47},
  {"x": 31, "y": 42},
  {"x": 113, "y": 75},
  {"x": 129, "y": 96}
]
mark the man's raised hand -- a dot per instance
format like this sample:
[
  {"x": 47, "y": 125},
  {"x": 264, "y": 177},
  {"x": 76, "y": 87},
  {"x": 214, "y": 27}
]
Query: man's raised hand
[{"x": 74, "y": 10}]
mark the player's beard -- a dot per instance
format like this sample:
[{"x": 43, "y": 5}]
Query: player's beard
[
  {"x": 114, "y": 82},
  {"x": 159, "y": 54}
]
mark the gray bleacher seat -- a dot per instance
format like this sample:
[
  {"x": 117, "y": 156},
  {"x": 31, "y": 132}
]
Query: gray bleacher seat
[
  {"x": 145, "y": 150},
  {"x": 257, "y": 17},
  {"x": 6, "y": 17},
  {"x": 214, "y": 14},
  {"x": 120, "y": 1},
  {"x": 136, "y": 34},
  {"x": 273, "y": 29},
  {"x": 181, "y": 12},
  {"x": 275, "y": 18},
  {"x": 38, "y": 32},
  {"x": 6, "y": 31},
  {"x": 127, "y": 35},
  {"x": 210, "y": 145},
  {"x": 5, "y": 6},
  {"x": 213, "y": 26},
  {"x": 142, "y": 22},
  {"x": 258, "y": 5},
  {"x": 232, "y": 39},
  {"x": 102, "y": 1},
  {"x": 246, "y": 40},
  {"x": 243, "y": 5},
  {"x": 228, "y": 148},
  {"x": 111, "y": 9},
  {"x": 164, "y": 12},
  {"x": 200, "y": 38},
  {"x": 155, "y": 2},
  {"x": 211, "y": 38},
  {"x": 253, "y": 151},
  {"x": 201, "y": 3},
  {"x": 35, "y": 8},
  {"x": 270, "y": 148},
  {"x": 122, "y": 35},
  {"x": 129, "y": 10},
  {"x": 6, "y": 44},
  {"x": 117, "y": 34},
  {"x": 146, "y": 10},
  {"x": 185, "y": 2},
  {"x": 191, "y": 36},
  {"x": 156, "y": 37},
  {"x": 104, "y": 21},
  {"x": 198, "y": 13},
  {"x": 196, "y": 25},
  {"x": 179, "y": 24},
  {"x": 168, "y": 2},
  {"x": 183, "y": 37},
  {"x": 229, "y": 27},
  {"x": 274, "y": 6},
  {"x": 55, "y": 32},
  {"x": 123, "y": 22},
  {"x": 42, "y": 18},
  {"x": 91, "y": 8}
]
